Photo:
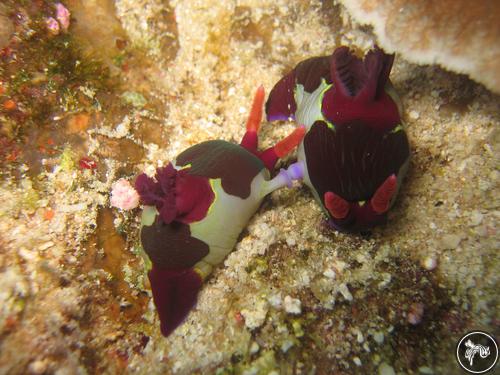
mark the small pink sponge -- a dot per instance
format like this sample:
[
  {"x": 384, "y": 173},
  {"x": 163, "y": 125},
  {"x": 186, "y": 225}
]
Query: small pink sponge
[{"x": 123, "y": 195}]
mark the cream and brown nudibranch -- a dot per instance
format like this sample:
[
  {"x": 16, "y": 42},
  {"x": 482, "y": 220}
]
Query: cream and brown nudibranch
[
  {"x": 355, "y": 152},
  {"x": 196, "y": 207}
]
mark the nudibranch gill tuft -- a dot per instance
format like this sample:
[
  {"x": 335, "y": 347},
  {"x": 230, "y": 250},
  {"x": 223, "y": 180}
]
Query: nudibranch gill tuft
[
  {"x": 196, "y": 207},
  {"x": 355, "y": 152}
]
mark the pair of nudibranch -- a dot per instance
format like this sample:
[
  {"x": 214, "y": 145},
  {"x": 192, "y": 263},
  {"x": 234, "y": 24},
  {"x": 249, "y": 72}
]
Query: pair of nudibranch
[{"x": 352, "y": 153}]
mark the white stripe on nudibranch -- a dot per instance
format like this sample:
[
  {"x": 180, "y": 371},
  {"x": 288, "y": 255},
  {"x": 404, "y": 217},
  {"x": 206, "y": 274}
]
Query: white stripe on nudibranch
[{"x": 309, "y": 104}]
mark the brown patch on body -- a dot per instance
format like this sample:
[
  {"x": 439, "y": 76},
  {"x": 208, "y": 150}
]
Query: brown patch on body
[
  {"x": 235, "y": 166},
  {"x": 171, "y": 245}
]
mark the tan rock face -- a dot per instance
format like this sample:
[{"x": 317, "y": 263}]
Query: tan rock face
[
  {"x": 459, "y": 35},
  {"x": 6, "y": 27}
]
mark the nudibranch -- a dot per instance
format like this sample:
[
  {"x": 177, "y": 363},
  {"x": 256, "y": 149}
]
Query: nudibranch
[
  {"x": 355, "y": 152},
  {"x": 196, "y": 207}
]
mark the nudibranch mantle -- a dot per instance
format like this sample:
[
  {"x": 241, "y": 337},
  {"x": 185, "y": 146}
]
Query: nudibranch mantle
[
  {"x": 232, "y": 207},
  {"x": 197, "y": 206},
  {"x": 355, "y": 152}
]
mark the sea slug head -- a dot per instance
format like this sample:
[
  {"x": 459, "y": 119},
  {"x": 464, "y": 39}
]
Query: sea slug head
[{"x": 361, "y": 90}]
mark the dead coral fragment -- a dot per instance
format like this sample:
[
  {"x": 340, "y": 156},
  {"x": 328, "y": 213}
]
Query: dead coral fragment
[{"x": 459, "y": 35}]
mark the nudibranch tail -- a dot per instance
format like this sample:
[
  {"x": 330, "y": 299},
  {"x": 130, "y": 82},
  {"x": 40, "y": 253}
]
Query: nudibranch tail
[
  {"x": 281, "y": 103},
  {"x": 287, "y": 96},
  {"x": 174, "y": 294}
]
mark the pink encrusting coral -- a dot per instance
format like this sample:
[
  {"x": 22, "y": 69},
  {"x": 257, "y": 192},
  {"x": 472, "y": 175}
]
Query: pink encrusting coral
[
  {"x": 52, "y": 25},
  {"x": 123, "y": 195},
  {"x": 63, "y": 16}
]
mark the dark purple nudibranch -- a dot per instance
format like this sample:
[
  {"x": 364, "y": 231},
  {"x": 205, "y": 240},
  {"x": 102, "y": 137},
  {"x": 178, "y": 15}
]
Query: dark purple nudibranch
[
  {"x": 355, "y": 152},
  {"x": 196, "y": 207}
]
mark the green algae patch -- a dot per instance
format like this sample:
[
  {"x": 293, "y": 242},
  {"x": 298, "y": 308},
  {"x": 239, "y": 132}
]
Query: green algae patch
[
  {"x": 44, "y": 76},
  {"x": 264, "y": 364},
  {"x": 135, "y": 99},
  {"x": 30, "y": 197},
  {"x": 67, "y": 160}
]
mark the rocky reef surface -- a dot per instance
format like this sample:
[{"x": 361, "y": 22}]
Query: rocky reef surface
[
  {"x": 109, "y": 89},
  {"x": 458, "y": 35}
]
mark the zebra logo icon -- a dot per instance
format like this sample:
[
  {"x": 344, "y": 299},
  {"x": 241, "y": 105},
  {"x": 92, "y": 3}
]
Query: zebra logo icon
[
  {"x": 477, "y": 352},
  {"x": 473, "y": 349}
]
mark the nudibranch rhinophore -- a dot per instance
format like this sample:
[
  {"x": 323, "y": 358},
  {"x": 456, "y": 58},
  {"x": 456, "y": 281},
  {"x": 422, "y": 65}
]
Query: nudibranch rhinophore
[
  {"x": 196, "y": 207},
  {"x": 355, "y": 152}
]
